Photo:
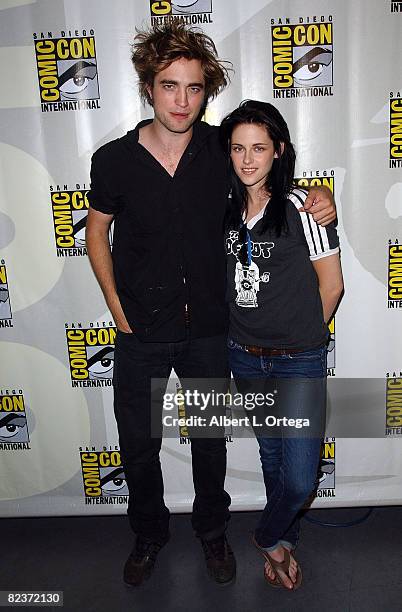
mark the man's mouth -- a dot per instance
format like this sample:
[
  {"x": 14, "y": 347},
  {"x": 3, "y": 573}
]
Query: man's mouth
[{"x": 180, "y": 115}]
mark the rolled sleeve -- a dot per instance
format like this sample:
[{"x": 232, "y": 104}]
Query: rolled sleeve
[{"x": 100, "y": 195}]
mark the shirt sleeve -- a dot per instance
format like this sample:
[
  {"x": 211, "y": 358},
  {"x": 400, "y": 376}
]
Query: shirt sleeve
[
  {"x": 100, "y": 196},
  {"x": 321, "y": 241}
]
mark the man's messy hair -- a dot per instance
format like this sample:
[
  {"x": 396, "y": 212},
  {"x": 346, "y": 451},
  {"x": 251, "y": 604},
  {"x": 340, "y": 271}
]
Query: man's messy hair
[{"x": 155, "y": 49}]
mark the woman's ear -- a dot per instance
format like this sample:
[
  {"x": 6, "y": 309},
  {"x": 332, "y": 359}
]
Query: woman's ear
[{"x": 282, "y": 148}]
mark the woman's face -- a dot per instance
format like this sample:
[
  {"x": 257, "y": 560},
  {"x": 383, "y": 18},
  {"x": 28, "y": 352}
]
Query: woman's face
[{"x": 252, "y": 153}]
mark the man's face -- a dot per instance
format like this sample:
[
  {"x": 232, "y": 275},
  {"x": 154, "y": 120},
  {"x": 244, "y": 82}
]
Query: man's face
[{"x": 178, "y": 95}]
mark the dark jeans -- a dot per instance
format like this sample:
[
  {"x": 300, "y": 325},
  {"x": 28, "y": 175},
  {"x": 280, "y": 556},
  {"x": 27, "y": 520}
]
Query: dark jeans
[
  {"x": 289, "y": 464},
  {"x": 135, "y": 364}
]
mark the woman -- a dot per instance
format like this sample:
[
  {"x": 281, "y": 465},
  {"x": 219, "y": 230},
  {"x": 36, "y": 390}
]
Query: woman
[{"x": 284, "y": 282}]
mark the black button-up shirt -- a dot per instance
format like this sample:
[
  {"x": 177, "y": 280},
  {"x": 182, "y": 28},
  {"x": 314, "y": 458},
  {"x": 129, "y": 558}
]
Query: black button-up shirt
[{"x": 168, "y": 250}]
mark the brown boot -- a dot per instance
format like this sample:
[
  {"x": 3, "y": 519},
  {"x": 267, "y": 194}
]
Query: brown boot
[
  {"x": 221, "y": 562},
  {"x": 141, "y": 561}
]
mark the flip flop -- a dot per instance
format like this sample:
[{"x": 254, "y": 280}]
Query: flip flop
[
  {"x": 274, "y": 582},
  {"x": 280, "y": 566}
]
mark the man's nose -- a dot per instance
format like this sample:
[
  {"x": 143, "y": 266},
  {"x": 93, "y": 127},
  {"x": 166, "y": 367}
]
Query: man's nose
[{"x": 181, "y": 97}]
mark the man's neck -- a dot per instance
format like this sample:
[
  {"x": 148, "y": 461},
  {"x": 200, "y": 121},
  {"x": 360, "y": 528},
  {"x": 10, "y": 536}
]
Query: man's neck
[
  {"x": 167, "y": 147},
  {"x": 158, "y": 134}
]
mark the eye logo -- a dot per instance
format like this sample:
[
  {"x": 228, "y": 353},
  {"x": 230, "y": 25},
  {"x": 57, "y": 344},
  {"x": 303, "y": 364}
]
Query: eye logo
[
  {"x": 302, "y": 58},
  {"x": 13, "y": 422},
  {"x": 91, "y": 356},
  {"x": 186, "y": 7},
  {"x": 113, "y": 481},
  {"x": 179, "y": 8},
  {"x": 100, "y": 363},
  {"x": 77, "y": 80},
  {"x": 67, "y": 73},
  {"x": 312, "y": 66}
]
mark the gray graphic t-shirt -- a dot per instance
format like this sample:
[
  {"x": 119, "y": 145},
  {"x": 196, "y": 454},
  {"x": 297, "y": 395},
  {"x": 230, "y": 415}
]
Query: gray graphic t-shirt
[{"x": 274, "y": 298}]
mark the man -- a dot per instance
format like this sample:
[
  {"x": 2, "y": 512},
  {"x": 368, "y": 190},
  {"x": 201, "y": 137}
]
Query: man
[{"x": 164, "y": 184}]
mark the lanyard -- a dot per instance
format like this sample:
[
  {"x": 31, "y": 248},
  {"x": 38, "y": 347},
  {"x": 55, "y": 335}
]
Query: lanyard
[
  {"x": 247, "y": 242},
  {"x": 248, "y": 247}
]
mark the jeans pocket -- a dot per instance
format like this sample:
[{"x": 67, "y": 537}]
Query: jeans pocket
[{"x": 309, "y": 364}]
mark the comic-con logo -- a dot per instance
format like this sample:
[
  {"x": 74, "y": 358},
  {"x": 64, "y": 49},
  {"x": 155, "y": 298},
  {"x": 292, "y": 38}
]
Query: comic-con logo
[
  {"x": 70, "y": 210},
  {"x": 91, "y": 354},
  {"x": 186, "y": 11},
  {"x": 315, "y": 178},
  {"x": 394, "y": 274},
  {"x": 396, "y": 7},
  {"x": 302, "y": 55},
  {"x": 393, "y": 404},
  {"x": 326, "y": 470},
  {"x": 182, "y": 414},
  {"x": 103, "y": 476},
  {"x": 6, "y": 315},
  {"x": 67, "y": 71},
  {"x": 14, "y": 433},
  {"x": 395, "y": 130}
]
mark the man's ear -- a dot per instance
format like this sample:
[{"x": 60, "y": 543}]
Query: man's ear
[{"x": 149, "y": 92}]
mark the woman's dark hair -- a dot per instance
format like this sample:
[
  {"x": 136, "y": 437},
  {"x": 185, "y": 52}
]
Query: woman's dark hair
[{"x": 280, "y": 179}]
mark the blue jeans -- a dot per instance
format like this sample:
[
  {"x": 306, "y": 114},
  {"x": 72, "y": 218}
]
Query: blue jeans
[{"x": 289, "y": 465}]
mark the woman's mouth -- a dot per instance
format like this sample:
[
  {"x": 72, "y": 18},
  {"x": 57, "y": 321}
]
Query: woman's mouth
[{"x": 248, "y": 170}]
